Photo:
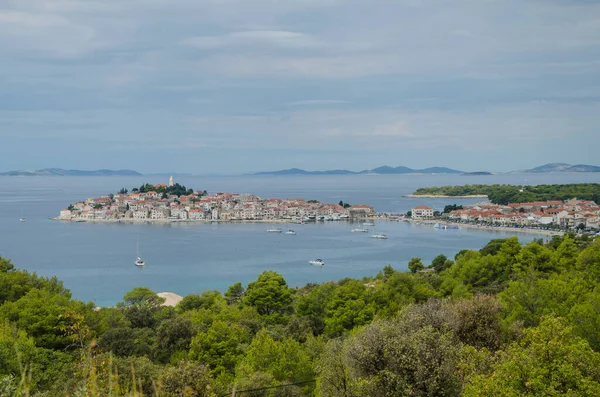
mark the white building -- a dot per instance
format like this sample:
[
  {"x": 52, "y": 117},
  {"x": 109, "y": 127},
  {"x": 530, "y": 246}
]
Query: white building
[{"x": 421, "y": 212}]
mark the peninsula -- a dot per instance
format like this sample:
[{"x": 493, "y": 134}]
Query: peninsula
[
  {"x": 505, "y": 194},
  {"x": 176, "y": 203}
]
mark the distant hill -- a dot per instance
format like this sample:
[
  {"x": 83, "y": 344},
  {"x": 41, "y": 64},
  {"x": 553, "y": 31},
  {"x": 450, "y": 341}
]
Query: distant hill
[
  {"x": 477, "y": 173},
  {"x": 383, "y": 170},
  {"x": 564, "y": 167},
  {"x": 583, "y": 168},
  {"x": 63, "y": 172}
]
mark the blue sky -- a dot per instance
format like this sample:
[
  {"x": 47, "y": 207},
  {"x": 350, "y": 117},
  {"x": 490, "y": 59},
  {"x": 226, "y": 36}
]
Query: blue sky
[{"x": 228, "y": 86}]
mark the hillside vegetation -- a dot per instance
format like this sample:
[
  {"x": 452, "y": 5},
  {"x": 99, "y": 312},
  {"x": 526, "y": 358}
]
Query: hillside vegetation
[
  {"x": 507, "y": 320},
  {"x": 505, "y": 194}
]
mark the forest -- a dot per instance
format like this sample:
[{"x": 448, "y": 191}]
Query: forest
[
  {"x": 505, "y": 194},
  {"x": 510, "y": 319}
]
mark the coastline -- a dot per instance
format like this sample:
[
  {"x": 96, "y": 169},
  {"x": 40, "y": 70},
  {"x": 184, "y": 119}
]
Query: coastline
[
  {"x": 165, "y": 221},
  {"x": 290, "y": 221},
  {"x": 484, "y": 196},
  {"x": 491, "y": 228}
]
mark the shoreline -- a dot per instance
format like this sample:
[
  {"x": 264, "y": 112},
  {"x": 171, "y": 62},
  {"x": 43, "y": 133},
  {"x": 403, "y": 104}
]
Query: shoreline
[
  {"x": 484, "y": 196},
  {"x": 167, "y": 221},
  {"x": 489, "y": 228},
  {"x": 290, "y": 221}
]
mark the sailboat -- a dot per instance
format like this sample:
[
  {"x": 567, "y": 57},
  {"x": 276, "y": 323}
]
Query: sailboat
[
  {"x": 139, "y": 261},
  {"x": 22, "y": 219}
]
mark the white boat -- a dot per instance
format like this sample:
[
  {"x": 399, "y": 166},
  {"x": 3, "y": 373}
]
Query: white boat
[
  {"x": 291, "y": 232},
  {"x": 382, "y": 236},
  {"x": 445, "y": 226},
  {"x": 317, "y": 262},
  {"x": 274, "y": 230},
  {"x": 368, "y": 224},
  {"x": 139, "y": 261},
  {"x": 22, "y": 219},
  {"x": 359, "y": 230}
]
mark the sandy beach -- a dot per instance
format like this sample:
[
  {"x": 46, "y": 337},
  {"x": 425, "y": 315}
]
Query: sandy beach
[{"x": 171, "y": 298}]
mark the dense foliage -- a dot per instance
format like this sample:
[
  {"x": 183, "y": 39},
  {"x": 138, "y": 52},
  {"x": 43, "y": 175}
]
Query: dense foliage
[
  {"x": 504, "y": 194},
  {"x": 176, "y": 189},
  {"x": 507, "y": 320}
]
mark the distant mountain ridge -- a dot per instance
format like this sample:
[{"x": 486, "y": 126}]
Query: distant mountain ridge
[
  {"x": 564, "y": 167},
  {"x": 383, "y": 170},
  {"x": 63, "y": 172}
]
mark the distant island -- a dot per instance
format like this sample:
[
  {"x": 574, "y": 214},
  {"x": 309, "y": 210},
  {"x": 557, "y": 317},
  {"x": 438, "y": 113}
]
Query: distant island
[
  {"x": 387, "y": 170},
  {"x": 477, "y": 173},
  {"x": 563, "y": 167},
  {"x": 63, "y": 172},
  {"x": 383, "y": 170},
  {"x": 505, "y": 194}
]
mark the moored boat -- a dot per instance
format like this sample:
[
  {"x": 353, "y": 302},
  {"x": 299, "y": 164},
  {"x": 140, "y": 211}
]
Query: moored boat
[{"x": 381, "y": 236}]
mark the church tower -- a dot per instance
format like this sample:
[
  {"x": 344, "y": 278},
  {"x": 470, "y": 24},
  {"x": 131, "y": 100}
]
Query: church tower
[{"x": 171, "y": 183}]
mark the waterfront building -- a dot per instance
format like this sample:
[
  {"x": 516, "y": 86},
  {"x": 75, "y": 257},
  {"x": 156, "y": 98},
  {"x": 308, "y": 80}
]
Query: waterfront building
[{"x": 422, "y": 212}]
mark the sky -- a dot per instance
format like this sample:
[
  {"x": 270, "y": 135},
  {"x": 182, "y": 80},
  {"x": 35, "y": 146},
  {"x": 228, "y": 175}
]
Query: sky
[{"x": 237, "y": 86}]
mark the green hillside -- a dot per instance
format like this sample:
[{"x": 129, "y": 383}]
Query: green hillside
[{"x": 507, "y": 320}]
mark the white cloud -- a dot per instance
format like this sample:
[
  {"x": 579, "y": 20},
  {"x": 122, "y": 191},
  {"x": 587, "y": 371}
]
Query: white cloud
[
  {"x": 273, "y": 38},
  {"x": 317, "y": 102}
]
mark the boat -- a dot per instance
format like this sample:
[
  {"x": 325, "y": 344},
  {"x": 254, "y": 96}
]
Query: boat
[
  {"x": 22, "y": 219},
  {"x": 381, "y": 236},
  {"x": 359, "y": 230},
  {"x": 368, "y": 224},
  {"x": 317, "y": 262},
  {"x": 138, "y": 260},
  {"x": 291, "y": 232},
  {"x": 445, "y": 226},
  {"x": 274, "y": 230}
]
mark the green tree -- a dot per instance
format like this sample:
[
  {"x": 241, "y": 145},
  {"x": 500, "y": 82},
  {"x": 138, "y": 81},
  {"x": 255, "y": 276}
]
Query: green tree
[
  {"x": 549, "y": 361},
  {"x": 441, "y": 263},
  {"x": 415, "y": 265},
  {"x": 173, "y": 336},
  {"x": 142, "y": 294},
  {"x": 187, "y": 379},
  {"x": 349, "y": 307},
  {"x": 220, "y": 347},
  {"x": 269, "y": 294},
  {"x": 284, "y": 360},
  {"x": 6, "y": 265},
  {"x": 234, "y": 293},
  {"x": 40, "y": 314},
  {"x": 125, "y": 342}
]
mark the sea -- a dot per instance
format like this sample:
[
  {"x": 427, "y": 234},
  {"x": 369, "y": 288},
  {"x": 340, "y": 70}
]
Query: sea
[{"x": 96, "y": 260}]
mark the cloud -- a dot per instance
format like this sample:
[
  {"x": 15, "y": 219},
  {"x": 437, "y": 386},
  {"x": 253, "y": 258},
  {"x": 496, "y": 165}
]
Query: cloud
[
  {"x": 426, "y": 76},
  {"x": 273, "y": 38},
  {"x": 317, "y": 102}
]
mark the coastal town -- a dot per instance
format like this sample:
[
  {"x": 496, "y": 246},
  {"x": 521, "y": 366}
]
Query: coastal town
[
  {"x": 570, "y": 214},
  {"x": 165, "y": 203}
]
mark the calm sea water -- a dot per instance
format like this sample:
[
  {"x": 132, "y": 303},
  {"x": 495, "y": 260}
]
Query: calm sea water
[{"x": 96, "y": 260}]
